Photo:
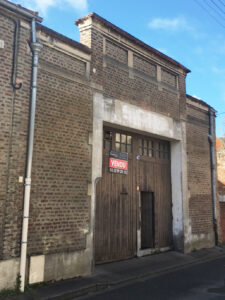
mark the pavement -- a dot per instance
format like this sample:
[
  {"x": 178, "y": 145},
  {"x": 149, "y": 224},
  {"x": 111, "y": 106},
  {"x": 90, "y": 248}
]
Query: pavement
[{"x": 118, "y": 273}]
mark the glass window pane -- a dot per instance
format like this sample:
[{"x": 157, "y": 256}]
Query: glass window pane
[
  {"x": 145, "y": 143},
  {"x": 145, "y": 151},
  {"x": 140, "y": 142},
  {"x": 123, "y": 148},
  {"x": 117, "y": 137},
  {"x": 118, "y": 147},
  {"x": 129, "y": 139},
  {"x": 129, "y": 148},
  {"x": 123, "y": 138},
  {"x": 150, "y": 153},
  {"x": 140, "y": 150}
]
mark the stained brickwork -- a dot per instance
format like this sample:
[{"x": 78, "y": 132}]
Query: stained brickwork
[{"x": 199, "y": 170}]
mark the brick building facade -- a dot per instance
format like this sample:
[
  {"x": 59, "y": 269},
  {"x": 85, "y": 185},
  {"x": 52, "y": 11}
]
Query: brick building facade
[{"x": 108, "y": 79}]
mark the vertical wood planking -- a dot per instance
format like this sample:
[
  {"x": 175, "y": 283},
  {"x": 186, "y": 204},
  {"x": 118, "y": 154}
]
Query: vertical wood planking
[{"x": 117, "y": 206}]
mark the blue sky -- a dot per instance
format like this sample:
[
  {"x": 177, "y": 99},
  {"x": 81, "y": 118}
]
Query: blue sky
[{"x": 179, "y": 28}]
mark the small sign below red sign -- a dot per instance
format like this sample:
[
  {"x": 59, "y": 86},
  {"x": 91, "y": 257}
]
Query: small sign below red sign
[{"x": 118, "y": 162}]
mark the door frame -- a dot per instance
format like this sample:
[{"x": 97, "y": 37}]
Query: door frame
[{"x": 128, "y": 117}]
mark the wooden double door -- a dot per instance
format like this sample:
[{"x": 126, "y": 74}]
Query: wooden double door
[{"x": 141, "y": 199}]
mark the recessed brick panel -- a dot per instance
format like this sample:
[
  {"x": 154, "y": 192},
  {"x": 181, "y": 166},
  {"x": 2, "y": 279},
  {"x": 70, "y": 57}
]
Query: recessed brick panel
[
  {"x": 168, "y": 78},
  {"x": 115, "y": 51},
  {"x": 144, "y": 66}
]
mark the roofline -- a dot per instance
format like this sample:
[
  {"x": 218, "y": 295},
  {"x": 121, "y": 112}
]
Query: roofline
[
  {"x": 131, "y": 38},
  {"x": 20, "y": 10},
  {"x": 63, "y": 38},
  {"x": 200, "y": 102}
]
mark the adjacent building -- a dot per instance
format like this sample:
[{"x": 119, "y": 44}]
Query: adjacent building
[{"x": 220, "y": 146}]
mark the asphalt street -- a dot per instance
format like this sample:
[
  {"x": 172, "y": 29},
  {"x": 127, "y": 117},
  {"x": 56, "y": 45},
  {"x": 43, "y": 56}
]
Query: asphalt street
[{"x": 202, "y": 281}]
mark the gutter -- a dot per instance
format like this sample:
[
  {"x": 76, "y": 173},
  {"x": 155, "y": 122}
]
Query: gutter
[
  {"x": 213, "y": 177},
  {"x": 36, "y": 47}
]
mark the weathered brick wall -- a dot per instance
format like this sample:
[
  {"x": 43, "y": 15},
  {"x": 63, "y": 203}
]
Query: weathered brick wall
[
  {"x": 14, "y": 110},
  {"x": 199, "y": 172},
  {"x": 59, "y": 213},
  {"x": 136, "y": 84}
]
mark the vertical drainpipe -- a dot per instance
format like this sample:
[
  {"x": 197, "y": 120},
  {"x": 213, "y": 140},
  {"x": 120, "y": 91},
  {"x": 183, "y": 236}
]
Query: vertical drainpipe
[
  {"x": 213, "y": 179},
  {"x": 36, "y": 47}
]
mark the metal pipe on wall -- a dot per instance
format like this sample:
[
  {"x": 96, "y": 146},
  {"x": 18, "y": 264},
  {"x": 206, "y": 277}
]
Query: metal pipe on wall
[
  {"x": 213, "y": 177},
  {"x": 36, "y": 47}
]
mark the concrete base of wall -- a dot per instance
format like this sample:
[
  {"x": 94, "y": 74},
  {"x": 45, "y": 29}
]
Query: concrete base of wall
[
  {"x": 59, "y": 266},
  {"x": 8, "y": 273},
  {"x": 200, "y": 241},
  {"x": 47, "y": 267}
]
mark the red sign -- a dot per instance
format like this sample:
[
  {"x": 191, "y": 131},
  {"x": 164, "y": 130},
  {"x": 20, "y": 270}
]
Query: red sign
[{"x": 117, "y": 163}]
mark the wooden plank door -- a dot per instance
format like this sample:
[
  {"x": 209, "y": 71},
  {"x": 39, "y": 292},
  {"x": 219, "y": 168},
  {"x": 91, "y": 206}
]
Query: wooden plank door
[
  {"x": 116, "y": 213},
  {"x": 154, "y": 177}
]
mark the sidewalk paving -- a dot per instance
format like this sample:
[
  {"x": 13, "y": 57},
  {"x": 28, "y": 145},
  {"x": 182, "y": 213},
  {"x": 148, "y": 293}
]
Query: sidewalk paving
[{"x": 117, "y": 273}]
